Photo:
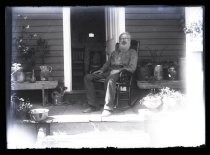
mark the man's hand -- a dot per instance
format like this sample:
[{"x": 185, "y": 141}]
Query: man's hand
[
  {"x": 98, "y": 72},
  {"x": 115, "y": 71}
]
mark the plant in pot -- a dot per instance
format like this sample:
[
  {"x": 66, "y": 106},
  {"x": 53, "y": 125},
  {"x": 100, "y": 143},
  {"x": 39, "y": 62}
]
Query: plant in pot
[
  {"x": 172, "y": 99},
  {"x": 156, "y": 55},
  {"x": 24, "y": 50},
  {"x": 21, "y": 106},
  {"x": 17, "y": 74},
  {"x": 41, "y": 51},
  {"x": 165, "y": 100},
  {"x": 58, "y": 94}
]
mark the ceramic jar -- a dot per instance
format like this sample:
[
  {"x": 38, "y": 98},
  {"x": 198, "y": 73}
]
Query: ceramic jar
[
  {"x": 20, "y": 76},
  {"x": 158, "y": 72}
]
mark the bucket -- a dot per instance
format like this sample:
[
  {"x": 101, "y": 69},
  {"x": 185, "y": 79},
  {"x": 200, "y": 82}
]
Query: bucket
[
  {"x": 39, "y": 114},
  {"x": 57, "y": 98}
]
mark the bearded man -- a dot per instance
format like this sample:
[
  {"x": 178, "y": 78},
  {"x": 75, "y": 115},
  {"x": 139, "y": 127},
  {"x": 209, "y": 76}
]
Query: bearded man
[{"x": 123, "y": 58}]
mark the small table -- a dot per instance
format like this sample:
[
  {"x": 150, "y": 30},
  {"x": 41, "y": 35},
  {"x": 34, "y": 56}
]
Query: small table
[
  {"x": 42, "y": 85},
  {"x": 160, "y": 84}
]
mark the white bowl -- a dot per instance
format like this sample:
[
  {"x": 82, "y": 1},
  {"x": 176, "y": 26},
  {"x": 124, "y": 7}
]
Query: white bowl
[{"x": 39, "y": 114}]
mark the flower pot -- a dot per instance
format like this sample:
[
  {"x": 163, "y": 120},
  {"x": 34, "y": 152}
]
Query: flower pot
[
  {"x": 152, "y": 102},
  {"x": 57, "y": 99},
  {"x": 20, "y": 76},
  {"x": 172, "y": 73},
  {"x": 171, "y": 103}
]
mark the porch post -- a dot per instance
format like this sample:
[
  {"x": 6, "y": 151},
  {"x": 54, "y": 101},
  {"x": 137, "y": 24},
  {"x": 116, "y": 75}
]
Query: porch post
[
  {"x": 194, "y": 74},
  {"x": 115, "y": 24},
  {"x": 67, "y": 49}
]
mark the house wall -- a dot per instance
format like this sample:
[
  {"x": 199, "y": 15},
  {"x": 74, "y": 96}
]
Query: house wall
[
  {"x": 47, "y": 23},
  {"x": 157, "y": 28}
]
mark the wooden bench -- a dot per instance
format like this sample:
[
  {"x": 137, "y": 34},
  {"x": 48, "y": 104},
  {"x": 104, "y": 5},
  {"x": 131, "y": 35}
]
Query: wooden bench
[{"x": 42, "y": 85}]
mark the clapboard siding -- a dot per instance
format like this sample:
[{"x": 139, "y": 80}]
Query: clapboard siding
[
  {"x": 148, "y": 16},
  {"x": 46, "y": 35},
  {"x": 50, "y": 54},
  {"x": 157, "y": 22},
  {"x": 157, "y": 35},
  {"x": 40, "y": 16},
  {"x": 40, "y": 29},
  {"x": 47, "y": 23},
  {"x": 152, "y": 10},
  {"x": 166, "y": 41},
  {"x": 157, "y": 28}
]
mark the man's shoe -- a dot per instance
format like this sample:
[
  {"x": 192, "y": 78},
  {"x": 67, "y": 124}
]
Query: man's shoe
[
  {"x": 90, "y": 109},
  {"x": 106, "y": 113}
]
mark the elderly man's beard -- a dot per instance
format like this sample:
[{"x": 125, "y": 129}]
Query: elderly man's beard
[{"x": 124, "y": 46}]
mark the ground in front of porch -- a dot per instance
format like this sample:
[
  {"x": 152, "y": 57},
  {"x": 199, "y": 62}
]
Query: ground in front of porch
[{"x": 126, "y": 128}]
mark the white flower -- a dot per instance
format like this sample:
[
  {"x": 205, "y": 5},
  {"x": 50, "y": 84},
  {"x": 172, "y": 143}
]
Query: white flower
[
  {"x": 21, "y": 99},
  {"x": 16, "y": 67},
  {"x": 27, "y": 27}
]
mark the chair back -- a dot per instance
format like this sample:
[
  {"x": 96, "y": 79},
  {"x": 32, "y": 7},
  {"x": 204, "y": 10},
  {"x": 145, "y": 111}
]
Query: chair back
[{"x": 135, "y": 45}]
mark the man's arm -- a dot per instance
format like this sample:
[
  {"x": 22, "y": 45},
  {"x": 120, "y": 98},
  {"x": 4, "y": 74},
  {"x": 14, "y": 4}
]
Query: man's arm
[
  {"x": 106, "y": 65},
  {"x": 131, "y": 67}
]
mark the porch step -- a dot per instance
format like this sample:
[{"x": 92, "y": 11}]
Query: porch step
[
  {"x": 83, "y": 134},
  {"x": 96, "y": 135},
  {"x": 98, "y": 140}
]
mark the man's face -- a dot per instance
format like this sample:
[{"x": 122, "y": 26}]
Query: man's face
[{"x": 124, "y": 42}]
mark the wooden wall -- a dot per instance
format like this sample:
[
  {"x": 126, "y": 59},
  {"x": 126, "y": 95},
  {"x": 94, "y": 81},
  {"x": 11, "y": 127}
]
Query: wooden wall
[
  {"x": 157, "y": 28},
  {"x": 47, "y": 23}
]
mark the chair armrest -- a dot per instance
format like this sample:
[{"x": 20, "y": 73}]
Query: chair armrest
[
  {"x": 93, "y": 70},
  {"x": 125, "y": 77}
]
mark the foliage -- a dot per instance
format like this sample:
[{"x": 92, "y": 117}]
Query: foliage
[
  {"x": 195, "y": 29},
  {"x": 58, "y": 93},
  {"x": 26, "y": 51},
  {"x": 165, "y": 98},
  {"x": 167, "y": 92},
  {"x": 42, "y": 49},
  {"x": 20, "y": 103},
  {"x": 15, "y": 67},
  {"x": 60, "y": 89}
]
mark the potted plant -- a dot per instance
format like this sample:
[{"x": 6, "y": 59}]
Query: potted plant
[
  {"x": 165, "y": 100},
  {"x": 156, "y": 55},
  {"x": 17, "y": 74},
  {"x": 58, "y": 94},
  {"x": 42, "y": 50},
  {"x": 21, "y": 107},
  {"x": 172, "y": 100},
  {"x": 25, "y": 52}
]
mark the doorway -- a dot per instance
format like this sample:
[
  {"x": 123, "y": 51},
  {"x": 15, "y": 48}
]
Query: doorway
[{"x": 87, "y": 36}]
